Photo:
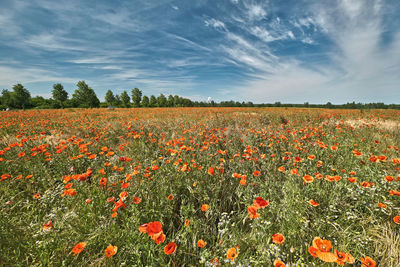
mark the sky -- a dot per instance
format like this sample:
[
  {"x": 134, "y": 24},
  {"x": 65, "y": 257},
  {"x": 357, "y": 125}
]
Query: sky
[{"x": 291, "y": 51}]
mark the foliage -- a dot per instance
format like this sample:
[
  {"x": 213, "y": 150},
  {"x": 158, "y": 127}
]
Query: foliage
[
  {"x": 136, "y": 97},
  {"x": 84, "y": 96},
  {"x": 59, "y": 94}
]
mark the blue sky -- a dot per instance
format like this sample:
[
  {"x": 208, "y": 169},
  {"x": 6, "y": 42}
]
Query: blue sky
[{"x": 244, "y": 50}]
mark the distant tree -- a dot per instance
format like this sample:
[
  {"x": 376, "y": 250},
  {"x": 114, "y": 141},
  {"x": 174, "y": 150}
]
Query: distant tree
[
  {"x": 328, "y": 105},
  {"x": 161, "y": 100},
  {"x": 145, "y": 101},
  {"x": 110, "y": 98},
  {"x": 59, "y": 94},
  {"x": 136, "y": 97},
  {"x": 177, "y": 101},
  {"x": 153, "y": 101},
  {"x": 118, "y": 101},
  {"x": 84, "y": 96},
  {"x": 125, "y": 99},
  {"x": 170, "y": 101},
  {"x": 7, "y": 100},
  {"x": 21, "y": 96}
]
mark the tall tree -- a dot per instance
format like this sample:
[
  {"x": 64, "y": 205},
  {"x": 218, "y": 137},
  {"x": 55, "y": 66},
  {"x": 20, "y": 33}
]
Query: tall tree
[
  {"x": 170, "y": 101},
  {"x": 84, "y": 96},
  {"x": 145, "y": 101},
  {"x": 161, "y": 100},
  {"x": 118, "y": 101},
  {"x": 153, "y": 101},
  {"x": 110, "y": 98},
  {"x": 125, "y": 99},
  {"x": 136, "y": 97},
  {"x": 59, "y": 94},
  {"x": 7, "y": 98},
  {"x": 177, "y": 101},
  {"x": 21, "y": 96}
]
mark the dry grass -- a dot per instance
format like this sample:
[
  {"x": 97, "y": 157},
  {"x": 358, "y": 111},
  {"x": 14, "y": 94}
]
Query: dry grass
[{"x": 386, "y": 241}]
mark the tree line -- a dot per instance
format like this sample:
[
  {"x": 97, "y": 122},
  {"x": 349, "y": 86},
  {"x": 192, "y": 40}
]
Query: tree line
[{"x": 85, "y": 97}]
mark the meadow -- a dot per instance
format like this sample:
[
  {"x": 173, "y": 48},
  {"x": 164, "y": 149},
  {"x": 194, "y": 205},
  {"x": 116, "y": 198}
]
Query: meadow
[{"x": 200, "y": 187}]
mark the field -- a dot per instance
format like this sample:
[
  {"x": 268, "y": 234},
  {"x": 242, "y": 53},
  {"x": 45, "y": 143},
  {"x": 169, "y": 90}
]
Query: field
[{"x": 200, "y": 187}]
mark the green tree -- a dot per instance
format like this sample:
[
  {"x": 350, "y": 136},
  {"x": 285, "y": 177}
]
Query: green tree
[
  {"x": 177, "y": 101},
  {"x": 145, "y": 101},
  {"x": 153, "y": 101},
  {"x": 170, "y": 101},
  {"x": 21, "y": 96},
  {"x": 59, "y": 94},
  {"x": 118, "y": 101},
  {"x": 161, "y": 100},
  {"x": 125, "y": 99},
  {"x": 136, "y": 97},
  {"x": 110, "y": 98},
  {"x": 7, "y": 99},
  {"x": 84, "y": 96}
]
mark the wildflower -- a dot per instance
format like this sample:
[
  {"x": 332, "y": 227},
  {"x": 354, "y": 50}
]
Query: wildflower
[
  {"x": 396, "y": 219},
  {"x": 48, "y": 225},
  {"x": 136, "y": 200},
  {"x": 78, "y": 248},
  {"x": 37, "y": 195},
  {"x": 252, "y": 210},
  {"x": 187, "y": 222},
  {"x": 231, "y": 254},
  {"x": 256, "y": 173},
  {"x": 313, "y": 203},
  {"x": 308, "y": 179},
  {"x": 341, "y": 257},
  {"x": 210, "y": 171},
  {"x": 367, "y": 262},
  {"x": 201, "y": 243},
  {"x": 110, "y": 250},
  {"x": 381, "y": 205},
  {"x": 278, "y": 238},
  {"x": 205, "y": 207},
  {"x": 170, "y": 248},
  {"x": 279, "y": 263},
  {"x": 170, "y": 197},
  {"x": 87, "y": 201}
]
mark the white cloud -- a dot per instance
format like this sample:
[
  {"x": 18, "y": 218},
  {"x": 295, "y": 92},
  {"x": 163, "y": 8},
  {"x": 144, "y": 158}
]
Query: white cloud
[
  {"x": 256, "y": 12},
  {"x": 175, "y": 7},
  {"x": 217, "y": 24}
]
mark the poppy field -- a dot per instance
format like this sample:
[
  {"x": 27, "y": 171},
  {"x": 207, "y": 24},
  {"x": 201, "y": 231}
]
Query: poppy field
[{"x": 200, "y": 187}]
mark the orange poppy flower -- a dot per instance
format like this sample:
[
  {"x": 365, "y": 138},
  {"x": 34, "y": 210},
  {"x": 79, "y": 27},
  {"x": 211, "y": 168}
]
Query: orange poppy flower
[
  {"x": 205, "y": 207},
  {"x": 389, "y": 178},
  {"x": 341, "y": 257},
  {"x": 37, "y": 195},
  {"x": 396, "y": 219},
  {"x": 158, "y": 238},
  {"x": 252, "y": 210},
  {"x": 170, "y": 197},
  {"x": 381, "y": 205},
  {"x": 281, "y": 169},
  {"x": 367, "y": 262},
  {"x": 110, "y": 250},
  {"x": 260, "y": 202},
  {"x": 87, "y": 201},
  {"x": 308, "y": 179},
  {"x": 322, "y": 245},
  {"x": 201, "y": 243},
  {"x": 279, "y": 263},
  {"x": 170, "y": 248},
  {"x": 278, "y": 238},
  {"x": 48, "y": 225},
  {"x": 352, "y": 179},
  {"x": 154, "y": 228},
  {"x": 78, "y": 248},
  {"x": 231, "y": 254},
  {"x": 256, "y": 173},
  {"x": 394, "y": 192},
  {"x": 312, "y": 157},
  {"x": 136, "y": 200},
  {"x": 210, "y": 171},
  {"x": 313, "y": 203}
]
